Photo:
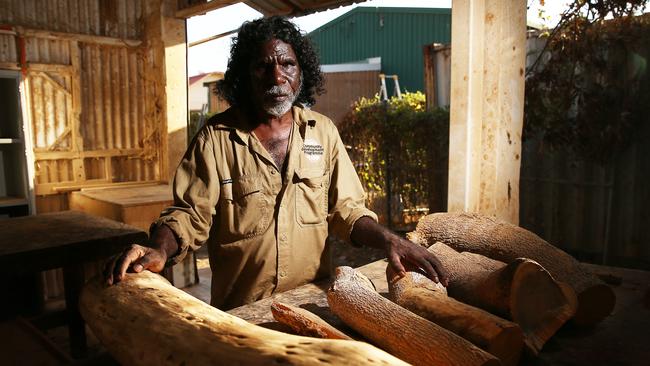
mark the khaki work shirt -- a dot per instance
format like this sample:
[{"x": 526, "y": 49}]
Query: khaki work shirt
[{"x": 266, "y": 233}]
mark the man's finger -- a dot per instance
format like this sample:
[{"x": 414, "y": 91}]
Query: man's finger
[
  {"x": 120, "y": 269},
  {"x": 440, "y": 269},
  {"x": 396, "y": 263},
  {"x": 146, "y": 262},
  {"x": 429, "y": 270},
  {"x": 109, "y": 266}
]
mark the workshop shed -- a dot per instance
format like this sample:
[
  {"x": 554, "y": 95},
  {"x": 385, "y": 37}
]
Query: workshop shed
[{"x": 397, "y": 35}]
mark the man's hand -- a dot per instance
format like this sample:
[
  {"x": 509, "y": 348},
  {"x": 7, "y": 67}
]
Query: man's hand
[
  {"x": 400, "y": 252},
  {"x": 138, "y": 257}
]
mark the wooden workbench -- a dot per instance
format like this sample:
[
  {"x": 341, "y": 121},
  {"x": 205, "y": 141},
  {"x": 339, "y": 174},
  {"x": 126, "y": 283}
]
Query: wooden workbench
[
  {"x": 67, "y": 239},
  {"x": 623, "y": 338}
]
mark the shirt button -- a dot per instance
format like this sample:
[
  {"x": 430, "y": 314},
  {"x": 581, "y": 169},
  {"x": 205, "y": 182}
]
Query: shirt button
[
  {"x": 283, "y": 274},
  {"x": 272, "y": 171},
  {"x": 283, "y": 237}
]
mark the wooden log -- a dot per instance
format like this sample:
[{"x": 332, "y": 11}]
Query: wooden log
[
  {"x": 144, "y": 320},
  {"x": 352, "y": 298},
  {"x": 506, "y": 242},
  {"x": 521, "y": 291},
  {"x": 417, "y": 293},
  {"x": 304, "y": 322}
]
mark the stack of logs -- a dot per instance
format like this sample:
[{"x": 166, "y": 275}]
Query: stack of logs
[{"x": 509, "y": 292}]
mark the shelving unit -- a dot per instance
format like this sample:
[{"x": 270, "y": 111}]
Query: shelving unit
[{"x": 14, "y": 184}]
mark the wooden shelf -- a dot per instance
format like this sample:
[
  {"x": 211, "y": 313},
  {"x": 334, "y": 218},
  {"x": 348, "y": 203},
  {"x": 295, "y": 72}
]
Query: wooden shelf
[{"x": 12, "y": 201}]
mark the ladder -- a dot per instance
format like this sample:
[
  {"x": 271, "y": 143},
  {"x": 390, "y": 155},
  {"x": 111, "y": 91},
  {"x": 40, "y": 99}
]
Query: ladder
[{"x": 383, "y": 93}]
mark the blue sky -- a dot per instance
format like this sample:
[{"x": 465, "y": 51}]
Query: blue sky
[{"x": 213, "y": 56}]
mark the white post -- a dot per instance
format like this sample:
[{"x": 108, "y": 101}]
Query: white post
[{"x": 487, "y": 100}]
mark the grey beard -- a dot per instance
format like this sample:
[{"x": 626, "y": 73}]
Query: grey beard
[{"x": 281, "y": 108}]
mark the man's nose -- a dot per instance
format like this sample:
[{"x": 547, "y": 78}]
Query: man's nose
[{"x": 277, "y": 76}]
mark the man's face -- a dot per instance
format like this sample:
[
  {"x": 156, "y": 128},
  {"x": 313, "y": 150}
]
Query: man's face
[{"x": 275, "y": 77}]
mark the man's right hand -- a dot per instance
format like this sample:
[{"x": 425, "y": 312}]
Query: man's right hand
[{"x": 139, "y": 258}]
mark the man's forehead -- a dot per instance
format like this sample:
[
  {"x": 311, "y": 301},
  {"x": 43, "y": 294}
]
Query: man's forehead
[{"x": 275, "y": 47}]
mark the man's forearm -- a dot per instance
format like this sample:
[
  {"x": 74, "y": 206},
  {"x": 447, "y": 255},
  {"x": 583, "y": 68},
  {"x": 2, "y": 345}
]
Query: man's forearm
[
  {"x": 368, "y": 233},
  {"x": 163, "y": 238}
]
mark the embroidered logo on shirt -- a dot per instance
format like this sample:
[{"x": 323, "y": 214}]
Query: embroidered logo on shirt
[{"x": 313, "y": 150}]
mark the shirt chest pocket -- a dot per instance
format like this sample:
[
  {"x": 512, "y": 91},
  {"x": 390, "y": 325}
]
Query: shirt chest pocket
[
  {"x": 245, "y": 210},
  {"x": 311, "y": 196}
]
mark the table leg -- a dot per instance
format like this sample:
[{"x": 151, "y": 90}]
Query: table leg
[{"x": 73, "y": 279}]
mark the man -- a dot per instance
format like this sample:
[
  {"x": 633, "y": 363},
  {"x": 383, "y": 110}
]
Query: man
[{"x": 266, "y": 181}]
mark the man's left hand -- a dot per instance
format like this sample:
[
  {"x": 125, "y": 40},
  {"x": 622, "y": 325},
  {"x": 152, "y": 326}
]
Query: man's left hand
[{"x": 401, "y": 253}]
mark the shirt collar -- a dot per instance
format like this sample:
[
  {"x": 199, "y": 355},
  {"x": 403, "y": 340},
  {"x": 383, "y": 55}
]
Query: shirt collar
[{"x": 242, "y": 136}]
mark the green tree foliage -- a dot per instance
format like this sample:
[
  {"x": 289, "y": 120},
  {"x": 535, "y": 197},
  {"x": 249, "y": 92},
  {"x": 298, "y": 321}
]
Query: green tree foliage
[
  {"x": 589, "y": 90},
  {"x": 402, "y": 138}
]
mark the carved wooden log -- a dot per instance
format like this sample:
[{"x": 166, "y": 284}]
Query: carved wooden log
[
  {"x": 521, "y": 291},
  {"x": 352, "y": 298},
  {"x": 506, "y": 242},
  {"x": 143, "y": 320},
  {"x": 304, "y": 322},
  {"x": 416, "y": 292}
]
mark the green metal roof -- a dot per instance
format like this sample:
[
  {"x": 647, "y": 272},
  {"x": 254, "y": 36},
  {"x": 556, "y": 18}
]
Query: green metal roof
[{"x": 397, "y": 35}]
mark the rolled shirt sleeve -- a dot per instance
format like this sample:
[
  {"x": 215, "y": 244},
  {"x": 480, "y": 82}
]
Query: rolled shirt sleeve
[
  {"x": 346, "y": 195},
  {"x": 195, "y": 192}
]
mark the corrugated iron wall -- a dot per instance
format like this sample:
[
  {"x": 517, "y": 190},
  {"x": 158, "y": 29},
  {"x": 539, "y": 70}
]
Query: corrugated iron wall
[
  {"x": 342, "y": 89},
  {"x": 90, "y": 90},
  {"x": 110, "y": 18},
  {"x": 397, "y": 35}
]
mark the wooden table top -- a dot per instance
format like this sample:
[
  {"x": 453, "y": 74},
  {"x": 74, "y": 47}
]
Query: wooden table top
[
  {"x": 53, "y": 240},
  {"x": 620, "y": 339},
  {"x": 132, "y": 195}
]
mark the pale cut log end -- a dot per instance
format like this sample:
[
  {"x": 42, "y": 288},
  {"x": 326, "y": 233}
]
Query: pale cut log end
[
  {"x": 539, "y": 304},
  {"x": 595, "y": 304},
  {"x": 397, "y": 285},
  {"x": 304, "y": 322}
]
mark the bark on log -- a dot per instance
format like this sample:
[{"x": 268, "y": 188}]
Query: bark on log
[
  {"x": 506, "y": 242},
  {"x": 521, "y": 291},
  {"x": 143, "y": 320},
  {"x": 501, "y": 338},
  {"x": 352, "y": 298},
  {"x": 304, "y": 322}
]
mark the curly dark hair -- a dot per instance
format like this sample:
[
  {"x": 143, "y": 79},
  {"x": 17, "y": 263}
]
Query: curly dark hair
[{"x": 235, "y": 86}]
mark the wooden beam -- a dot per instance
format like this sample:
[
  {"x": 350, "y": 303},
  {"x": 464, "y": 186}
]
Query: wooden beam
[
  {"x": 487, "y": 99},
  {"x": 65, "y": 70},
  {"x": 203, "y": 8},
  {"x": 41, "y": 154},
  {"x": 87, "y": 38}
]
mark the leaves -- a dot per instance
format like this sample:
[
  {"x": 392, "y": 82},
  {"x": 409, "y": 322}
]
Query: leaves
[
  {"x": 588, "y": 91},
  {"x": 399, "y": 137}
]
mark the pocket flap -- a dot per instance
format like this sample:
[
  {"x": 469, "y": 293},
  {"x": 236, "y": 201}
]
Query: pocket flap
[
  {"x": 245, "y": 185},
  {"x": 312, "y": 177}
]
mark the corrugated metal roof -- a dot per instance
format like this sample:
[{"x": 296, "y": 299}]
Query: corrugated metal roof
[
  {"x": 266, "y": 7},
  {"x": 397, "y": 35}
]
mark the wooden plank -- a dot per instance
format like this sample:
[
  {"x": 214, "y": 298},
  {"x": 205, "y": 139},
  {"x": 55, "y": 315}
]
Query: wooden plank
[
  {"x": 86, "y": 38},
  {"x": 64, "y": 187},
  {"x": 55, "y": 155},
  {"x": 107, "y": 102},
  {"x": 203, "y": 8}
]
